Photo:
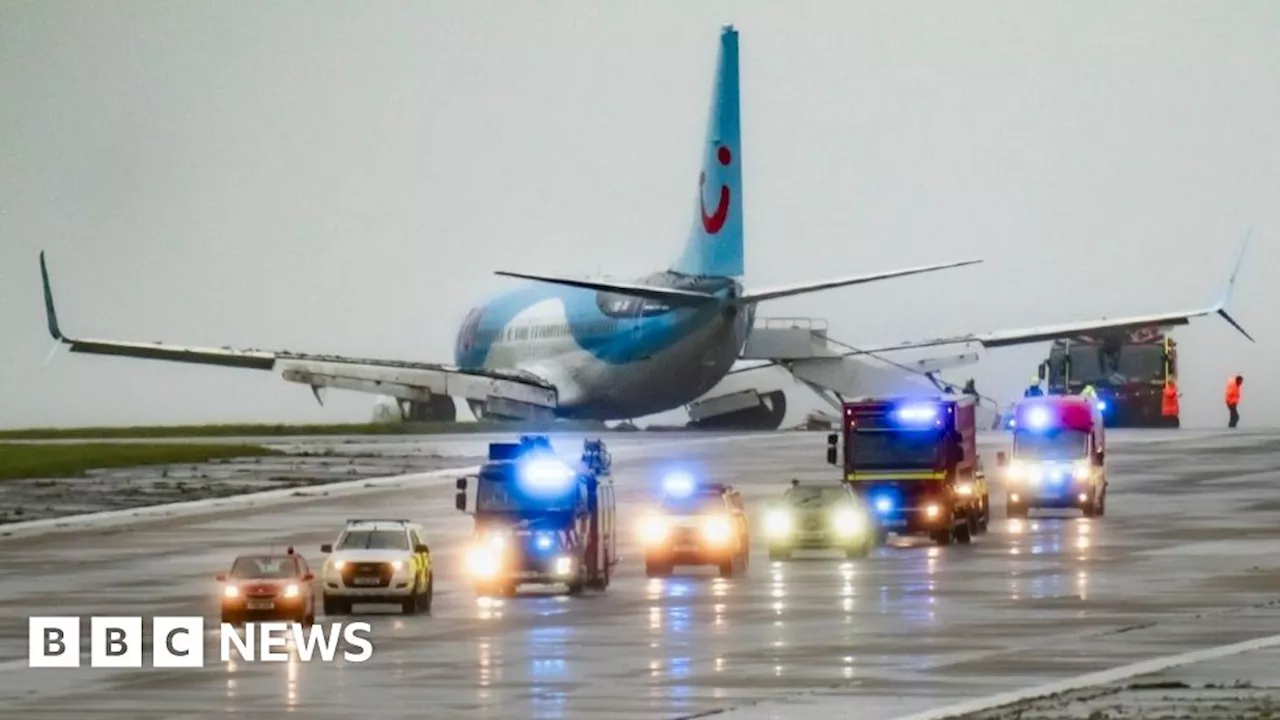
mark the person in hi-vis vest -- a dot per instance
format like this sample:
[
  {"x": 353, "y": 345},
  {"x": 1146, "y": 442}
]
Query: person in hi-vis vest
[{"x": 1233, "y": 399}]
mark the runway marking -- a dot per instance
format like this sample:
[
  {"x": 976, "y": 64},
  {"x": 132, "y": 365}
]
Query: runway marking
[{"x": 1124, "y": 672}]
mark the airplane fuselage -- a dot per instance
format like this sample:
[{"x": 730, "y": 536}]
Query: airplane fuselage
[{"x": 610, "y": 356}]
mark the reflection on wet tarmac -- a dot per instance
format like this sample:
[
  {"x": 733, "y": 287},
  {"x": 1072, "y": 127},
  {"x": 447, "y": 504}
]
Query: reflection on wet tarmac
[{"x": 665, "y": 647}]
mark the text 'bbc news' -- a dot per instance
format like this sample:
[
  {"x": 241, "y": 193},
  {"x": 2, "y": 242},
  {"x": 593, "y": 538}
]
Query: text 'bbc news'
[{"x": 179, "y": 642}]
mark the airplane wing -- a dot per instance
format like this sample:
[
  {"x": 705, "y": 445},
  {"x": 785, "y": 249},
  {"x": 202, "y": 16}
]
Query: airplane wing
[
  {"x": 808, "y": 287},
  {"x": 1005, "y": 338},
  {"x": 515, "y": 392},
  {"x": 671, "y": 296}
]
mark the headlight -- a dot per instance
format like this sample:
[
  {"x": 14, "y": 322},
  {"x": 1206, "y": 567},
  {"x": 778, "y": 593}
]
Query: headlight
[
  {"x": 716, "y": 529},
  {"x": 482, "y": 562},
  {"x": 1081, "y": 471},
  {"x": 397, "y": 566},
  {"x": 777, "y": 522},
  {"x": 339, "y": 564},
  {"x": 496, "y": 540},
  {"x": 564, "y": 566},
  {"x": 848, "y": 522},
  {"x": 1035, "y": 475},
  {"x": 231, "y": 591},
  {"x": 964, "y": 489},
  {"x": 931, "y": 511},
  {"x": 291, "y": 591},
  {"x": 1016, "y": 470},
  {"x": 654, "y": 529}
]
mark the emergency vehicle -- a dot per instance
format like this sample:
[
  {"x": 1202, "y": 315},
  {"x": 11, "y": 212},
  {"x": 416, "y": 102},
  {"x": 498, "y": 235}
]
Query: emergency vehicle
[
  {"x": 818, "y": 517},
  {"x": 268, "y": 586},
  {"x": 1058, "y": 459},
  {"x": 696, "y": 524},
  {"x": 378, "y": 561},
  {"x": 1127, "y": 369},
  {"x": 540, "y": 519},
  {"x": 914, "y": 462}
]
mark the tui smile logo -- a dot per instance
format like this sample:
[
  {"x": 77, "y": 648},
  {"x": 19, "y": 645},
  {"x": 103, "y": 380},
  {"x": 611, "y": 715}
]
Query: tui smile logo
[{"x": 713, "y": 222}]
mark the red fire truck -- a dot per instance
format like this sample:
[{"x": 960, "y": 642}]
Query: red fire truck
[
  {"x": 1127, "y": 369},
  {"x": 914, "y": 462}
]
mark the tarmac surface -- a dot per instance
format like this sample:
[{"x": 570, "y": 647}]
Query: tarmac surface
[{"x": 1185, "y": 559}]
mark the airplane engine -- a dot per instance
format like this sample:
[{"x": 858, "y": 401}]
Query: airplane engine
[
  {"x": 440, "y": 408},
  {"x": 766, "y": 415}
]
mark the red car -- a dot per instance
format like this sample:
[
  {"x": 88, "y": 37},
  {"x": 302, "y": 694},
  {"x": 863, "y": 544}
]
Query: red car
[{"x": 268, "y": 587}]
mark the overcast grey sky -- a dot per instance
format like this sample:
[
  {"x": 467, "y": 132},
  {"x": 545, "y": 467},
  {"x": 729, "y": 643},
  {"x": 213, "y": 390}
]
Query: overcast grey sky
[{"x": 344, "y": 177}]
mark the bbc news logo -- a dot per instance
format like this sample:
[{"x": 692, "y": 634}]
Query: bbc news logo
[{"x": 178, "y": 642}]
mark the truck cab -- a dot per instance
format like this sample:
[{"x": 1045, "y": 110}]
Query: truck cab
[
  {"x": 1058, "y": 456},
  {"x": 540, "y": 519},
  {"x": 914, "y": 462}
]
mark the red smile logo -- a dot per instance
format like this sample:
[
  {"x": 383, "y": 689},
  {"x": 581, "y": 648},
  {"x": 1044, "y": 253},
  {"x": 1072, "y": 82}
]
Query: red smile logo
[{"x": 713, "y": 222}]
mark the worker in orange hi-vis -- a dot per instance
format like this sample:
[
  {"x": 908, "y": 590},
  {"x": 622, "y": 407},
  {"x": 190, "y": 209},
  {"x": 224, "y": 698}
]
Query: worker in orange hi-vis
[
  {"x": 1169, "y": 403},
  {"x": 1233, "y": 399}
]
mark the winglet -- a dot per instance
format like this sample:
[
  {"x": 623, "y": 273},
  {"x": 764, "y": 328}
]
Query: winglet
[
  {"x": 1221, "y": 307},
  {"x": 50, "y": 314}
]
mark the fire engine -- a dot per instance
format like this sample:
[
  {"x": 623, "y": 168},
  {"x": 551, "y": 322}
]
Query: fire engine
[
  {"x": 541, "y": 520},
  {"x": 1127, "y": 369},
  {"x": 914, "y": 462}
]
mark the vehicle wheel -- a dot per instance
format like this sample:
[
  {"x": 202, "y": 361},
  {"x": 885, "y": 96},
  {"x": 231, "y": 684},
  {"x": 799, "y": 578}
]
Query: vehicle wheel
[
  {"x": 1102, "y": 504},
  {"x": 430, "y": 594},
  {"x": 943, "y": 537},
  {"x": 1015, "y": 510},
  {"x": 1091, "y": 509},
  {"x": 727, "y": 567},
  {"x": 409, "y": 606},
  {"x": 779, "y": 553},
  {"x": 656, "y": 569},
  {"x": 333, "y": 606},
  {"x": 985, "y": 521},
  {"x": 964, "y": 533}
]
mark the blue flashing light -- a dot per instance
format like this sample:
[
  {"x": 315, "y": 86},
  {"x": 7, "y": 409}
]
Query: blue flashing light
[
  {"x": 1102, "y": 404},
  {"x": 544, "y": 541},
  {"x": 917, "y": 413},
  {"x": 545, "y": 473},
  {"x": 678, "y": 484},
  {"x": 884, "y": 505},
  {"x": 1038, "y": 418}
]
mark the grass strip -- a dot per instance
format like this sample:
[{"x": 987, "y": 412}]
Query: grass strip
[
  {"x": 73, "y": 459},
  {"x": 266, "y": 430}
]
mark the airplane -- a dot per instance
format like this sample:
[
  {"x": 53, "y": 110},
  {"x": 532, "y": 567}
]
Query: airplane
[{"x": 593, "y": 348}]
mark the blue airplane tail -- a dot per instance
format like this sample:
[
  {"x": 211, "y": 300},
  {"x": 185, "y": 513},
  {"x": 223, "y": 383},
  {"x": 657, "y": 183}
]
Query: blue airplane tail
[{"x": 714, "y": 247}]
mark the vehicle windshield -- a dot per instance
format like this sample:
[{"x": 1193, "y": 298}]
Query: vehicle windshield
[
  {"x": 1053, "y": 444},
  {"x": 693, "y": 505},
  {"x": 374, "y": 540},
  {"x": 264, "y": 568},
  {"x": 1092, "y": 364},
  {"x": 895, "y": 449},
  {"x": 814, "y": 497}
]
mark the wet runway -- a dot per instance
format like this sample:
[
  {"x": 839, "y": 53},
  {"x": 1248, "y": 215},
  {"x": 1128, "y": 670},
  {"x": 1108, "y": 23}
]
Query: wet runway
[{"x": 1184, "y": 559}]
